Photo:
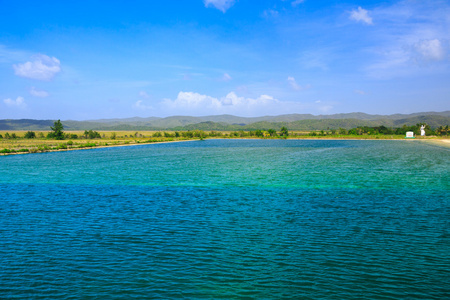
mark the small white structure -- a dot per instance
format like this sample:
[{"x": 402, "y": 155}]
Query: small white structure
[
  {"x": 422, "y": 130},
  {"x": 409, "y": 135}
]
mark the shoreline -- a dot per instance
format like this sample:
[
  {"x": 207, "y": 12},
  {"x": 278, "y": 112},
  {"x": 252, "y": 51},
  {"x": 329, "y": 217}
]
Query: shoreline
[
  {"x": 96, "y": 147},
  {"x": 436, "y": 141}
]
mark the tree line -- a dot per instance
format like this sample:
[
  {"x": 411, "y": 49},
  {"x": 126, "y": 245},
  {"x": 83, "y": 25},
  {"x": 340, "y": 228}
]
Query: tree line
[{"x": 57, "y": 132}]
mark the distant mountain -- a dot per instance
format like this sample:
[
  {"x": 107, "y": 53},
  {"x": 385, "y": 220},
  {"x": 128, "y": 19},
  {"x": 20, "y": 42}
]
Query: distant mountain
[
  {"x": 229, "y": 122},
  {"x": 25, "y": 124}
]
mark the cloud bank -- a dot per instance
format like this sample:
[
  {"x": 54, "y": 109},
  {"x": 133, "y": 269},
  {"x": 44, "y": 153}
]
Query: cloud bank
[
  {"x": 42, "y": 67},
  {"x": 197, "y": 104}
]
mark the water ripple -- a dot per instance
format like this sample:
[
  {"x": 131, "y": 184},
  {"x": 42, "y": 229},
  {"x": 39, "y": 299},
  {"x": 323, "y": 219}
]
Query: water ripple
[{"x": 226, "y": 219}]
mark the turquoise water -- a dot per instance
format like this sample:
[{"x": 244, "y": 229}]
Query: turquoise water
[{"x": 221, "y": 219}]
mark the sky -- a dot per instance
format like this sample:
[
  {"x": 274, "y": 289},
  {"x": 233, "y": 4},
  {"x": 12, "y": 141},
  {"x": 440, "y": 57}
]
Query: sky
[{"x": 84, "y": 60}]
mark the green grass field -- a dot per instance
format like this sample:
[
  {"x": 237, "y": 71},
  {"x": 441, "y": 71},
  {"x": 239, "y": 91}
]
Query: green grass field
[{"x": 19, "y": 144}]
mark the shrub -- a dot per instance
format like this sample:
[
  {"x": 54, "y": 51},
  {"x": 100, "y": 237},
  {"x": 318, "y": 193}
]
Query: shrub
[
  {"x": 61, "y": 146},
  {"x": 43, "y": 148},
  {"x": 88, "y": 145},
  {"x": 30, "y": 135},
  {"x": 69, "y": 143}
]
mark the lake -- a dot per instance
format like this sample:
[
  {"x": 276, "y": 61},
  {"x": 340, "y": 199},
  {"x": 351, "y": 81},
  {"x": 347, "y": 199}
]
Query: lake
[{"x": 224, "y": 219}]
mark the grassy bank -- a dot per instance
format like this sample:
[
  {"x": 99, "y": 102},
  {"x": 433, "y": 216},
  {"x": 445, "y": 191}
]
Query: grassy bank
[{"x": 17, "y": 144}]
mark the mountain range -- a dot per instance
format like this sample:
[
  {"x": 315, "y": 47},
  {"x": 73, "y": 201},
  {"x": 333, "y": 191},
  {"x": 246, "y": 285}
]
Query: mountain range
[{"x": 230, "y": 122}]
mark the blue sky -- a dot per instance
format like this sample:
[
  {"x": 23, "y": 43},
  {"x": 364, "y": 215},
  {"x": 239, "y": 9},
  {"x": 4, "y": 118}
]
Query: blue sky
[{"x": 85, "y": 60}]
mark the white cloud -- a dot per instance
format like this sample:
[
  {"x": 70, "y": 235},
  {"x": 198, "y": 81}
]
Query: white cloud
[
  {"x": 222, "y": 5},
  {"x": 226, "y": 77},
  {"x": 38, "y": 93},
  {"x": 297, "y": 2},
  {"x": 295, "y": 85},
  {"x": 430, "y": 49},
  {"x": 42, "y": 67},
  {"x": 198, "y": 104},
  {"x": 139, "y": 105},
  {"x": 361, "y": 15},
  {"x": 19, "y": 102},
  {"x": 359, "y": 92},
  {"x": 143, "y": 94}
]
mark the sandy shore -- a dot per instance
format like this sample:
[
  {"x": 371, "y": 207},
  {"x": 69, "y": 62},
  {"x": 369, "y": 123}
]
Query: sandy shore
[{"x": 438, "y": 142}]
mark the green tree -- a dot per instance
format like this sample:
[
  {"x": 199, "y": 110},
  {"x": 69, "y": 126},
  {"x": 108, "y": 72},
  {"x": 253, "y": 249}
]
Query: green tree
[
  {"x": 58, "y": 133},
  {"x": 272, "y": 132},
  {"x": 113, "y": 136},
  {"x": 284, "y": 131}
]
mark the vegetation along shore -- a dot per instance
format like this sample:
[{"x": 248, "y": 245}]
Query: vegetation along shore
[{"x": 56, "y": 139}]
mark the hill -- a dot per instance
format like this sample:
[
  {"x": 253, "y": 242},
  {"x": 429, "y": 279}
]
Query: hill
[{"x": 231, "y": 123}]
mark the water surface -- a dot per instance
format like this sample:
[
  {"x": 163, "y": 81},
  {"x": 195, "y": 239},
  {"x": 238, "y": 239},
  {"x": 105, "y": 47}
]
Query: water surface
[{"x": 256, "y": 219}]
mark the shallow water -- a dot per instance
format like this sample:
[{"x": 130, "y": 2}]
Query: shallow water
[{"x": 256, "y": 219}]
